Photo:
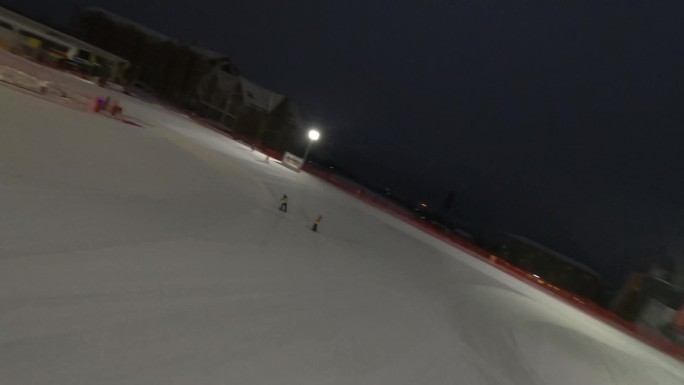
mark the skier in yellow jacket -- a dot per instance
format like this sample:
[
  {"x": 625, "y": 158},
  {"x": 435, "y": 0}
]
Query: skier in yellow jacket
[
  {"x": 283, "y": 203},
  {"x": 317, "y": 222}
]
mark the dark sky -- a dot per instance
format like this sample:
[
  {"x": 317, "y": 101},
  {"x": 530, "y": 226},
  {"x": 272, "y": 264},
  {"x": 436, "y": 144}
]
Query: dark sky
[{"x": 557, "y": 120}]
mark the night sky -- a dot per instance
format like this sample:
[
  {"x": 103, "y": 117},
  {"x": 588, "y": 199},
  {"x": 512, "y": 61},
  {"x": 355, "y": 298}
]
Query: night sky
[{"x": 557, "y": 120}]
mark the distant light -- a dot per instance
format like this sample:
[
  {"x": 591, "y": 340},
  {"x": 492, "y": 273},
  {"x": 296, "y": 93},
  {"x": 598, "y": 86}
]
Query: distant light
[
  {"x": 423, "y": 204},
  {"x": 314, "y": 134},
  {"x": 536, "y": 276}
]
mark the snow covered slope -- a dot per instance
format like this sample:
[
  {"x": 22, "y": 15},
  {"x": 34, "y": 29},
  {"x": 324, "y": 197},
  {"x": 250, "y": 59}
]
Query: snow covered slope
[{"x": 157, "y": 255}]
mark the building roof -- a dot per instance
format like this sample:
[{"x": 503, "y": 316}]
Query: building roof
[
  {"x": 122, "y": 20},
  {"x": 259, "y": 97},
  {"x": 34, "y": 26},
  {"x": 207, "y": 53},
  {"x": 553, "y": 253}
]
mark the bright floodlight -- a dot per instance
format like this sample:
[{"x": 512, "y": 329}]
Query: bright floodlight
[{"x": 314, "y": 135}]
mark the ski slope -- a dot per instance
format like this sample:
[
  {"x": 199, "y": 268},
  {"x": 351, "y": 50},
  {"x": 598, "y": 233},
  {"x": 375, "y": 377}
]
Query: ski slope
[{"x": 157, "y": 255}]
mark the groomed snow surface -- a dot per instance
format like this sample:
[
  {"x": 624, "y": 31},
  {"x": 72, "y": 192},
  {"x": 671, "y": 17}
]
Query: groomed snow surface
[{"x": 157, "y": 255}]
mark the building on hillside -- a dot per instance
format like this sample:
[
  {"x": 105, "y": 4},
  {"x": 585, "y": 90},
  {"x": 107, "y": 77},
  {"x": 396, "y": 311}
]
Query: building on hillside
[
  {"x": 159, "y": 63},
  {"x": 654, "y": 300},
  {"x": 545, "y": 263},
  {"x": 195, "y": 78},
  {"x": 39, "y": 42},
  {"x": 249, "y": 109}
]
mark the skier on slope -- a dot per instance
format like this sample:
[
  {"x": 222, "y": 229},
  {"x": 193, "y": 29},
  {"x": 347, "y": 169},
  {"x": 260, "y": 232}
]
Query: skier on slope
[
  {"x": 283, "y": 203},
  {"x": 317, "y": 222}
]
